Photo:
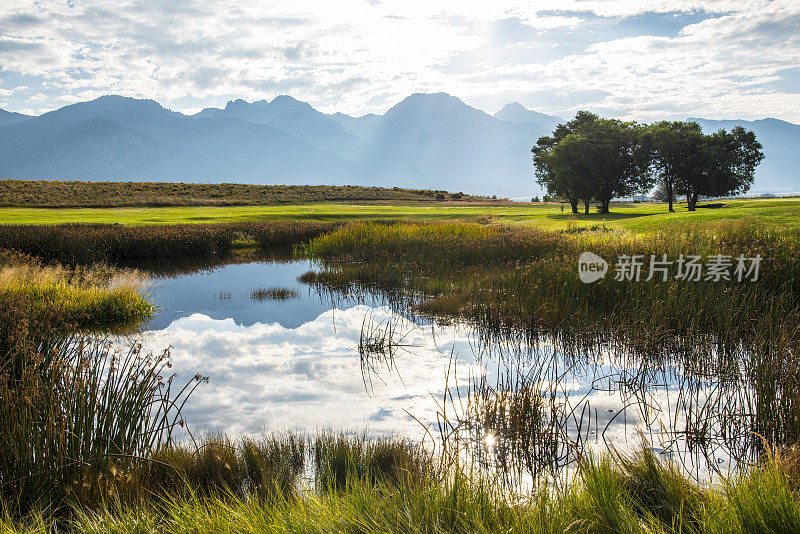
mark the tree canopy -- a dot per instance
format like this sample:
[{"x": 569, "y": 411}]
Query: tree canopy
[{"x": 672, "y": 144}]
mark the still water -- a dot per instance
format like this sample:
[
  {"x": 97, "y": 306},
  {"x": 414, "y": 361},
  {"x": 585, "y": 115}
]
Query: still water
[
  {"x": 310, "y": 362},
  {"x": 294, "y": 364}
]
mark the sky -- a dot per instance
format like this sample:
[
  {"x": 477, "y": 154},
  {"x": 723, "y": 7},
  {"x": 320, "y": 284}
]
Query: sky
[{"x": 632, "y": 59}]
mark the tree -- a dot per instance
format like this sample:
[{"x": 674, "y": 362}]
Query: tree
[
  {"x": 671, "y": 144},
  {"x": 560, "y": 162},
  {"x": 720, "y": 164},
  {"x": 619, "y": 159},
  {"x": 660, "y": 195},
  {"x": 591, "y": 158}
]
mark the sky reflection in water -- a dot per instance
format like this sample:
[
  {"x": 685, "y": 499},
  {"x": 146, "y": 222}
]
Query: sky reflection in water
[{"x": 295, "y": 365}]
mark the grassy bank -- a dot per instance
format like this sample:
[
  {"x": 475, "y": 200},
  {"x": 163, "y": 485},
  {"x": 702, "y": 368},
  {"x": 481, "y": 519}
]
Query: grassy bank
[
  {"x": 99, "y": 299},
  {"x": 63, "y": 194},
  {"x": 360, "y": 489}
]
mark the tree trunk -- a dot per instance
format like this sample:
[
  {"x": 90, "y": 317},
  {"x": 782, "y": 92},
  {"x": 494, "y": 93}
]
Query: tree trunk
[
  {"x": 574, "y": 204},
  {"x": 586, "y": 207},
  {"x": 669, "y": 195},
  {"x": 604, "y": 205},
  {"x": 691, "y": 201}
]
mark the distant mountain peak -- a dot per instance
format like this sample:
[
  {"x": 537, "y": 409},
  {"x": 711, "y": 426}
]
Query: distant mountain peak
[
  {"x": 517, "y": 113},
  {"x": 280, "y": 102},
  {"x": 125, "y": 100},
  {"x": 431, "y": 104},
  {"x": 512, "y": 107},
  {"x": 240, "y": 103},
  {"x": 288, "y": 102},
  {"x": 286, "y": 99},
  {"x": 431, "y": 99}
]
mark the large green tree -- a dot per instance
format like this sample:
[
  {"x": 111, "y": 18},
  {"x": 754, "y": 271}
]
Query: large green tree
[
  {"x": 672, "y": 143},
  {"x": 720, "y": 164},
  {"x": 591, "y": 158},
  {"x": 561, "y": 162}
]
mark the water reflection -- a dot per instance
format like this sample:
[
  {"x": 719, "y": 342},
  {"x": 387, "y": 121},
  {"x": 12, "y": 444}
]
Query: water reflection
[
  {"x": 271, "y": 376},
  {"x": 224, "y": 292},
  {"x": 349, "y": 360}
]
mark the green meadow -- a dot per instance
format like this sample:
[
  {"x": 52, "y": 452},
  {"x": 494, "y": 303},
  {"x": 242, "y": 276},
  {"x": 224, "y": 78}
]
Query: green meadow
[{"x": 643, "y": 216}]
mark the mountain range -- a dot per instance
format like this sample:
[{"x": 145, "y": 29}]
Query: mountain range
[{"x": 431, "y": 141}]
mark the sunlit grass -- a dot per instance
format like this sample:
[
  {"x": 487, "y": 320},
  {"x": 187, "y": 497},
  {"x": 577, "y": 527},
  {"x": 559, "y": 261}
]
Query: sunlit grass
[
  {"x": 642, "y": 494},
  {"x": 98, "y": 298}
]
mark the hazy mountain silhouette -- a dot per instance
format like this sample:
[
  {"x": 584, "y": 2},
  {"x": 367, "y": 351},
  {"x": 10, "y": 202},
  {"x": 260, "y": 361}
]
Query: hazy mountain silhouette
[
  {"x": 296, "y": 118},
  {"x": 425, "y": 141},
  {"x": 11, "y": 117},
  {"x": 437, "y": 139},
  {"x": 152, "y": 143},
  {"x": 515, "y": 112}
]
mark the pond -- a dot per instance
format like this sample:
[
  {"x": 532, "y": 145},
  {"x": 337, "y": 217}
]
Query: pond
[{"x": 304, "y": 360}]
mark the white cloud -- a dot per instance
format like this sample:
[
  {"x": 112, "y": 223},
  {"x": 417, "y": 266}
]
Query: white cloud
[
  {"x": 356, "y": 57},
  {"x": 266, "y": 376}
]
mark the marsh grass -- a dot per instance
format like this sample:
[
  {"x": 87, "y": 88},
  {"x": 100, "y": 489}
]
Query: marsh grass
[
  {"x": 637, "y": 494},
  {"x": 98, "y": 298},
  {"x": 343, "y": 459},
  {"x": 76, "y": 417},
  {"x": 262, "y": 468},
  {"x": 77, "y": 411},
  {"x": 523, "y": 424},
  {"x": 519, "y": 287},
  {"x": 506, "y": 280},
  {"x": 71, "y": 244}
]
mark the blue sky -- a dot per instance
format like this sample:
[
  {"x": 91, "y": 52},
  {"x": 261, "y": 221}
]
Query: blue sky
[{"x": 631, "y": 59}]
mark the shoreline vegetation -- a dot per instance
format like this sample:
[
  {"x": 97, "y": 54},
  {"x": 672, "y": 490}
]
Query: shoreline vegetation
[
  {"x": 513, "y": 283},
  {"x": 360, "y": 485},
  {"x": 104, "y": 243},
  {"x": 95, "y": 299},
  {"x": 103, "y": 459}
]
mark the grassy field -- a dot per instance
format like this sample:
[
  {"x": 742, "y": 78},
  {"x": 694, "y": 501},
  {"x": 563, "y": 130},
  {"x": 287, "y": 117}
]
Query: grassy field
[{"x": 633, "y": 216}]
